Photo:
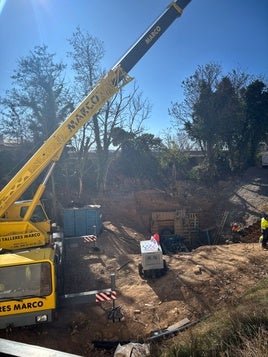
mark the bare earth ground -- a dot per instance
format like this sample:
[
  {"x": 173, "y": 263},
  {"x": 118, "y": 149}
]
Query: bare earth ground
[{"x": 196, "y": 283}]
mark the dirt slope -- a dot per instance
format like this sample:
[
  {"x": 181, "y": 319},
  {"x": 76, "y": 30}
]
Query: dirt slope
[
  {"x": 244, "y": 199},
  {"x": 196, "y": 283}
]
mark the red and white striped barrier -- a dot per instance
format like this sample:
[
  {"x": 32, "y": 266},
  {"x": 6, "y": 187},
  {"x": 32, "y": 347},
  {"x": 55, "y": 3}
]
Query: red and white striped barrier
[
  {"x": 105, "y": 296},
  {"x": 90, "y": 238}
]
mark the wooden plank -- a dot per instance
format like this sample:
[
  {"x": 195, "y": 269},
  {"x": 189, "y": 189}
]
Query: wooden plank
[
  {"x": 177, "y": 325},
  {"x": 172, "y": 329}
]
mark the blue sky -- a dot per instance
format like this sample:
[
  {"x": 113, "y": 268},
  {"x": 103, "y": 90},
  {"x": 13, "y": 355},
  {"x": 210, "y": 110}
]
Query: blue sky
[{"x": 233, "y": 33}]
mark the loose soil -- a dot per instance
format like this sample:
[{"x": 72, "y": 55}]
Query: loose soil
[{"x": 197, "y": 282}]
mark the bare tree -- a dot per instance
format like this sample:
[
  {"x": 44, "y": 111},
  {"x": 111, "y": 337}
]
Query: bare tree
[{"x": 125, "y": 110}]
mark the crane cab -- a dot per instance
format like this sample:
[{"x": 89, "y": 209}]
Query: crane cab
[{"x": 18, "y": 233}]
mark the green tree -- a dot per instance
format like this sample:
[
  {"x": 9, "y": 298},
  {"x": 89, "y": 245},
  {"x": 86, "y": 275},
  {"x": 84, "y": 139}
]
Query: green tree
[
  {"x": 196, "y": 114},
  {"x": 226, "y": 116},
  {"x": 203, "y": 126},
  {"x": 242, "y": 119},
  {"x": 174, "y": 162},
  {"x": 139, "y": 155},
  {"x": 38, "y": 100},
  {"x": 255, "y": 127}
]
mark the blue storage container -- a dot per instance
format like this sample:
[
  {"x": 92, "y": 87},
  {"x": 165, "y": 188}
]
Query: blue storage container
[{"x": 82, "y": 221}]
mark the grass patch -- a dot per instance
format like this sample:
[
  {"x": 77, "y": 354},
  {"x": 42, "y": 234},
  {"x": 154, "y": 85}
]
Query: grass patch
[{"x": 236, "y": 331}]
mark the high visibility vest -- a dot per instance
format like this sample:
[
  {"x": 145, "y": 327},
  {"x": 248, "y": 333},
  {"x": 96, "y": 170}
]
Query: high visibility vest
[{"x": 264, "y": 224}]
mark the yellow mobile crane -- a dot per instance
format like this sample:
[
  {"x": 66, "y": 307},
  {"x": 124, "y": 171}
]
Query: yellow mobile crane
[{"x": 29, "y": 265}]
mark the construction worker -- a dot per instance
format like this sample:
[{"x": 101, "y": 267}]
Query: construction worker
[
  {"x": 264, "y": 230},
  {"x": 236, "y": 228},
  {"x": 237, "y": 232}
]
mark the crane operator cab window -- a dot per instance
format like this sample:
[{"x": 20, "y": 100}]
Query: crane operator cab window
[
  {"x": 21, "y": 281},
  {"x": 38, "y": 215}
]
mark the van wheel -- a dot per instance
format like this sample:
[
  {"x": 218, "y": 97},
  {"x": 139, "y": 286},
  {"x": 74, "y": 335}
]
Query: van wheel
[
  {"x": 165, "y": 265},
  {"x": 141, "y": 271}
]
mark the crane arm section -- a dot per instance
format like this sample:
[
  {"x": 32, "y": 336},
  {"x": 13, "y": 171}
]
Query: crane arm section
[
  {"x": 148, "y": 39},
  {"x": 108, "y": 86}
]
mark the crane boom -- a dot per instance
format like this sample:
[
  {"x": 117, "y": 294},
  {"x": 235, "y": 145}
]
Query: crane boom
[{"x": 109, "y": 85}]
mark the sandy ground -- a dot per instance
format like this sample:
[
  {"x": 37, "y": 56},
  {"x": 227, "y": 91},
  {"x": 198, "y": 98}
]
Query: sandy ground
[{"x": 196, "y": 284}]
